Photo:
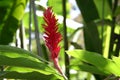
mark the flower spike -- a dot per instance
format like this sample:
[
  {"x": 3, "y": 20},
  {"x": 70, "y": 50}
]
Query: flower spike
[{"x": 52, "y": 36}]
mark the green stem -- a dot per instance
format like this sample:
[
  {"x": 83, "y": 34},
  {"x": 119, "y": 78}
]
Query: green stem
[
  {"x": 39, "y": 49},
  {"x": 30, "y": 27},
  {"x": 65, "y": 41},
  {"x": 112, "y": 29},
  {"x": 22, "y": 36},
  {"x": 102, "y": 31}
]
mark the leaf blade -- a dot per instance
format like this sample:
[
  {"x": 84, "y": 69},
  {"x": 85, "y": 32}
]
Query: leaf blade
[
  {"x": 106, "y": 65},
  {"x": 16, "y": 57}
]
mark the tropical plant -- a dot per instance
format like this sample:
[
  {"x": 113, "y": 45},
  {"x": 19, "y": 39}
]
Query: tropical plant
[{"x": 98, "y": 59}]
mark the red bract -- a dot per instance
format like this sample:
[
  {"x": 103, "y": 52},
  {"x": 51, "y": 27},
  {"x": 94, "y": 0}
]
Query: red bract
[{"x": 52, "y": 36}]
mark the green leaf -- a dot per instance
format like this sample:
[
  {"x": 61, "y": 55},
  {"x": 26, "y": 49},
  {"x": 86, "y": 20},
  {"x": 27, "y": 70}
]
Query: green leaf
[
  {"x": 27, "y": 73},
  {"x": 99, "y": 5},
  {"x": 117, "y": 12},
  {"x": 25, "y": 63},
  {"x": 90, "y": 14},
  {"x": 88, "y": 10},
  {"x": 80, "y": 65},
  {"x": 55, "y": 3},
  {"x": 12, "y": 14},
  {"x": 92, "y": 39},
  {"x": 58, "y": 9},
  {"x": 116, "y": 60},
  {"x": 5, "y": 3},
  {"x": 94, "y": 59}
]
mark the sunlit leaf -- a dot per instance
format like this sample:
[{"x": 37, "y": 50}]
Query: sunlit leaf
[
  {"x": 82, "y": 66},
  {"x": 24, "y": 63},
  {"x": 103, "y": 6},
  {"x": 27, "y": 73},
  {"x": 116, "y": 60},
  {"x": 94, "y": 59}
]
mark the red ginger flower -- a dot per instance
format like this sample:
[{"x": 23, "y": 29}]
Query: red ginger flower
[{"x": 52, "y": 36}]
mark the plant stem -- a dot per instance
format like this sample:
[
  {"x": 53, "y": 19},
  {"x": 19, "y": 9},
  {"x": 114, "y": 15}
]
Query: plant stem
[
  {"x": 39, "y": 49},
  {"x": 112, "y": 29},
  {"x": 22, "y": 36},
  {"x": 30, "y": 21},
  {"x": 65, "y": 41},
  {"x": 102, "y": 31}
]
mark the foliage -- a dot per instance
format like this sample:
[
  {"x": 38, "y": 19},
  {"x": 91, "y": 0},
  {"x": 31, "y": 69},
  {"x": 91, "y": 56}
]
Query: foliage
[
  {"x": 94, "y": 62},
  {"x": 98, "y": 58},
  {"x": 22, "y": 64},
  {"x": 11, "y": 13}
]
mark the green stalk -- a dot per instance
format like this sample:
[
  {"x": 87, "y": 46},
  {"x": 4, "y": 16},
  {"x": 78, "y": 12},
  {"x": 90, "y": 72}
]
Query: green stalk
[
  {"x": 30, "y": 27},
  {"x": 39, "y": 49},
  {"x": 65, "y": 41},
  {"x": 22, "y": 35},
  {"x": 112, "y": 29}
]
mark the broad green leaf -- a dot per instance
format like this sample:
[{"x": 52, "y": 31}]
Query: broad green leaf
[
  {"x": 92, "y": 39},
  {"x": 88, "y": 10},
  {"x": 91, "y": 35},
  {"x": 5, "y": 6},
  {"x": 27, "y": 63},
  {"x": 82, "y": 66},
  {"x": 103, "y": 64},
  {"x": 27, "y": 73},
  {"x": 100, "y": 7},
  {"x": 116, "y": 60},
  {"x": 11, "y": 19}
]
